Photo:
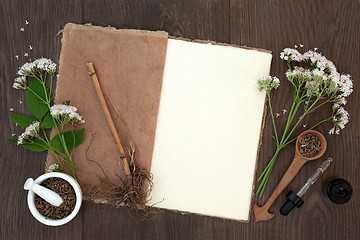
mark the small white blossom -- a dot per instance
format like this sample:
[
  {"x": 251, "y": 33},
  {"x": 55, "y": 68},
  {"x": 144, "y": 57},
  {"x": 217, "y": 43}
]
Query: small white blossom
[
  {"x": 346, "y": 84},
  {"x": 301, "y": 45},
  {"x": 65, "y": 114},
  {"x": 26, "y": 22},
  {"x": 30, "y": 48},
  {"x": 26, "y": 54},
  {"x": 17, "y": 56},
  {"x": 41, "y": 64},
  {"x": 30, "y": 132},
  {"x": 315, "y": 49},
  {"x": 340, "y": 118},
  {"x": 11, "y": 109},
  {"x": 284, "y": 111},
  {"x": 268, "y": 83},
  {"x": 304, "y": 125},
  {"x": 296, "y": 46},
  {"x": 22, "y": 29},
  {"x": 275, "y": 82},
  {"x": 291, "y": 55},
  {"x": 277, "y": 114},
  {"x": 53, "y": 168},
  {"x": 20, "y": 83},
  {"x": 299, "y": 72},
  {"x": 20, "y": 101},
  {"x": 13, "y": 134}
]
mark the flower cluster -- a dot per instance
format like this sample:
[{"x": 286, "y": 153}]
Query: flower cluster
[
  {"x": 289, "y": 54},
  {"x": 340, "y": 118},
  {"x": 321, "y": 81},
  {"x": 41, "y": 64},
  {"x": 53, "y": 168},
  {"x": 30, "y": 132},
  {"x": 268, "y": 83},
  {"x": 20, "y": 83},
  {"x": 66, "y": 114}
]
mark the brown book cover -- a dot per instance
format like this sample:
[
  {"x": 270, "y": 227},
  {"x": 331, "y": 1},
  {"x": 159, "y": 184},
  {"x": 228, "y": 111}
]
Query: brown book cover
[{"x": 117, "y": 55}]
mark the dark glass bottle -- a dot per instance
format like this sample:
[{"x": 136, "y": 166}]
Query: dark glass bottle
[{"x": 339, "y": 191}]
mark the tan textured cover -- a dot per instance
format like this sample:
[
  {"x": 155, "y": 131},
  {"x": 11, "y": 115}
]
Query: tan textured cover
[{"x": 130, "y": 65}]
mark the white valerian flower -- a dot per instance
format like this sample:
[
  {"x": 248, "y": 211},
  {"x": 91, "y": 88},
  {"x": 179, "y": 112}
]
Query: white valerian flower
[
  {"x": 275, "y": 82},
  {"x": 346, "y": 85},
  {"x": 268, "y": 83},
  {"x": 340, "y": 118},
  {"x": 20, "y": 83},
  {"x": 17, "y": 57},
  {"x": 301, "y": 46},
  {"x": 11, "y": 109},
  {"x": 284, "y": 111},
  {"x": 45, "y": 64},
  {"x": 64, "y": 114},
  {"x": 26, "y": 22},
  {"x": 299, "y": 72},
  {"x": 289, "y": 54},
  {"x": 26, "y": 54},
  {"x": 277, "y": 114},
  {"x": 53, "y": 168},
  {"x": 22, "y": 29},
  {"x": 41, "y": 64},
  {"x": 30, "y": 132}
]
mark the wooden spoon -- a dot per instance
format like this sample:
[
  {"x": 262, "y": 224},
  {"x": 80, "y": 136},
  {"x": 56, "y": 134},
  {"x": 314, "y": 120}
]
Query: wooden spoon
[{"x": 262, "y": 213}]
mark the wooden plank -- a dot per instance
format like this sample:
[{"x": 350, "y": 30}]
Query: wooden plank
[
  {"x": 206, "y": 20},
  {"x": 332, "y": 27},
  {"x": 45, "y": 19}
]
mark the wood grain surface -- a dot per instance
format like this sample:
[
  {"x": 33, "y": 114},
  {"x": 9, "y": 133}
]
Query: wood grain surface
[{"x": 332, "y": 26}]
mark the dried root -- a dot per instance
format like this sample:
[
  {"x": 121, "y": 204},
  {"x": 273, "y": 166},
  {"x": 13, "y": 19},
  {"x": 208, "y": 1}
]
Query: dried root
[{"x": 132, "y": 193}]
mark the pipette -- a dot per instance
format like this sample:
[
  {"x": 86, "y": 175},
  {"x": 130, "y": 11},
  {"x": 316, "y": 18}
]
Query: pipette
[{"x": 294, "y": 199}]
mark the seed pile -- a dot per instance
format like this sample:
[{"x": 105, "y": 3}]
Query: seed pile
[
  {"x": 309, "y": 145},
  {"x": 66, "y": 192}
]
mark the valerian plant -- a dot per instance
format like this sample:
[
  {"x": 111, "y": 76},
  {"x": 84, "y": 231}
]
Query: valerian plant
[
  {"x": 36, "y": 78},
  {"x": 314, "y": 86}
]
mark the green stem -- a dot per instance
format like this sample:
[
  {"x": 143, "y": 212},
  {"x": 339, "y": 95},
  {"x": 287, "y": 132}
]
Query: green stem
[
  {"x": 272, "y": 160},
  {"x": 51, "y": 150},
  {"x": 61, "y": 136},
  {"x": 272, "y": 118}
]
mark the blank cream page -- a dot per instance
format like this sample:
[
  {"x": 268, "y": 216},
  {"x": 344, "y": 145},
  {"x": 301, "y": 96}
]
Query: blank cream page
[{"x": 208, "y": 129}]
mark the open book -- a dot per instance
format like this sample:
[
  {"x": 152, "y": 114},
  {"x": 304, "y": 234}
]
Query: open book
[{"x": 192, "y": 109}]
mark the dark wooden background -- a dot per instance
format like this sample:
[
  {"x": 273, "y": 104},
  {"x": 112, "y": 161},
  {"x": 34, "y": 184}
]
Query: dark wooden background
[{"x": 332, "y": 26}]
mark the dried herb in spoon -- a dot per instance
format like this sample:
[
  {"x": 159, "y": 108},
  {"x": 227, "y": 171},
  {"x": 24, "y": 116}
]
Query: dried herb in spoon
[
  {"x": 309, "y": 145},
  {"x": 66, "y": 192}
]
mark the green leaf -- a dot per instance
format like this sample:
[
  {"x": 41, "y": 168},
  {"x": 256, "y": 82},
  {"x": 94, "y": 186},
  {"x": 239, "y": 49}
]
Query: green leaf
[
  {"x": 48, "y": 121},
  {"x": 35, "y": 145},
  {"x": 72, "y": 140},
  {"x": 67, "y": 103},
  {"x": 22, "y": 120},
  {"x": 36, "y": 98}
]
